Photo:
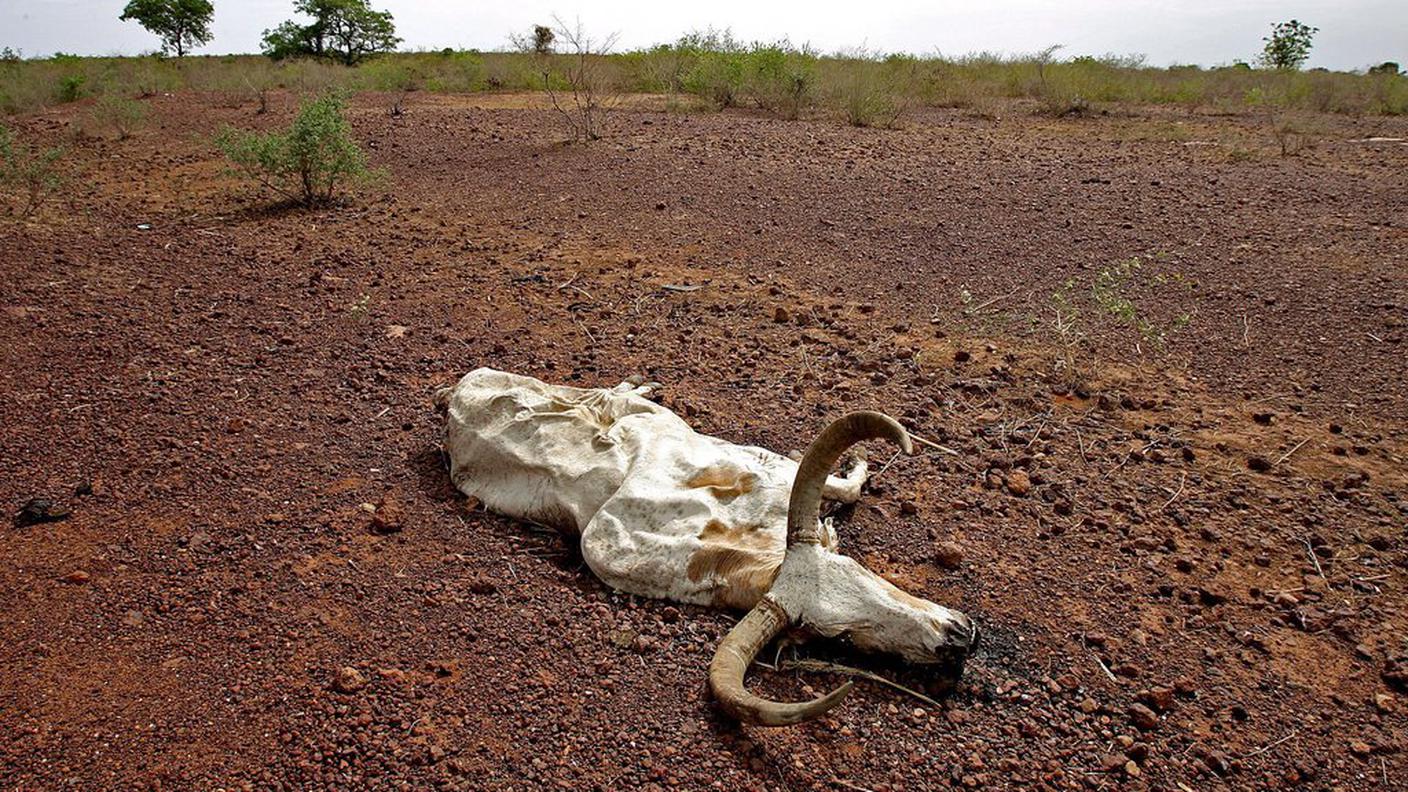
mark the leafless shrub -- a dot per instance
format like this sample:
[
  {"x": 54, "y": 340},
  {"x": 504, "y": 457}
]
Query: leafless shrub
[{"x": 576, "y": 79}]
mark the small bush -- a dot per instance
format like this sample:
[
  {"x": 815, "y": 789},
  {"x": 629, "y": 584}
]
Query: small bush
[
  {"x": 71, "y": 87},
  {"x": 874, "y": 93},
  {"x": 306, "y": 164},
  {"x": 781, "y": 79},
  {"x": 116, "y": 113},
  {"x": 31, "y": 171}
]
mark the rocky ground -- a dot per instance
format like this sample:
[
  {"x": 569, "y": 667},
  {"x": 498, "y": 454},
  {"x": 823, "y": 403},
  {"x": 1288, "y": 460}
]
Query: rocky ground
[{"x": 1177, "y": 506}]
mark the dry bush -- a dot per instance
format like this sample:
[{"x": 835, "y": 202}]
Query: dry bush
[
  {"x": 871, "y": 91},
  {"x": 577, "y": 80},
  {"x": 116, "y": 114},
  {"x": 31, "y": 172}
]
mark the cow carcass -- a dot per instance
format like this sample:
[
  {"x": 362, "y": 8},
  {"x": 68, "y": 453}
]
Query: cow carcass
[{"x": 662, "y": 511}]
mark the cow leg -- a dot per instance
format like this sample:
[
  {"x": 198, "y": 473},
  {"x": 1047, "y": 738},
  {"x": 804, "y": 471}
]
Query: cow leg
[
  {"x": 846, "y": 489},
  {"x": 635, "y": 385}
]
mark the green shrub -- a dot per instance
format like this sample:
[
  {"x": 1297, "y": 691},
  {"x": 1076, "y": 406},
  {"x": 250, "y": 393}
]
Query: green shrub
[
  {"x": 116, "y": 113},
  {"x": 71, "y": 87},
  {"x": 30, "y": 171},
  {"x": 873, "y": 93},
  {"x": 781, "y": 79},
  {"x": 307, "y": 163}
]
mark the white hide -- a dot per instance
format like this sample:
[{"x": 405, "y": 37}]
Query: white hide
[{"x": 658, "y": 507}]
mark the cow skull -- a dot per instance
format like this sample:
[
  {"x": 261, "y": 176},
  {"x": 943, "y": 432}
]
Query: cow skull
[{"x": 665, "y": 512}]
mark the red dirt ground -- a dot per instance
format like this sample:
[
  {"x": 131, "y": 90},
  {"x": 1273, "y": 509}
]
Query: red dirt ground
[{"x": 1190, "y": 568}]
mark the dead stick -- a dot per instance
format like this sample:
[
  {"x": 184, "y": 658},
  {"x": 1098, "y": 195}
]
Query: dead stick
[
  {"x": 945, "y": 449},
  {"x": 1310, "y": 551},
  {"x": 1104, "y": 668},
  {"x": 1284, "y": 456},
  {"x": 1263, "y": 749},
  {"x": 817, "y": 665},
  {"x": 1183, "y": 479},
  {"x": 983, "y": 305}
]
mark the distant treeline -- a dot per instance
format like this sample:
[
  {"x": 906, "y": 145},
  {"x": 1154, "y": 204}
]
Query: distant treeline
[{"x": 721, "y": 72}]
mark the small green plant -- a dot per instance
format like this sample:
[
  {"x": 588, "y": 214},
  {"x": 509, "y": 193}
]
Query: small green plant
[
  {"x": 1115, "y": 300},
  {"x": 360, "y": 309},
  {"x": 307, "y": 163},
  {"x": 117, "y": 113},
  {"x": 33, "y": 172},
  {"x": 71, "y": 87}
]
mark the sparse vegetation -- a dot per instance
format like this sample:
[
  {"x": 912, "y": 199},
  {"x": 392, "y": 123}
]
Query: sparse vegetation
[
  {"x": 577, "y": 81},
  {"x": 308, "y": 163},
  {"x": 1113, "y": 302},
  {"x": 115, "y": 113},
  {"x": 30, "y": 172},
  {"x": 723, "y": 72},
  {"x": 876, "y": 91}
]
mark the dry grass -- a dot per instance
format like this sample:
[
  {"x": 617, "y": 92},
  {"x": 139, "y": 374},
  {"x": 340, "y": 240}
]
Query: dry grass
[{"x": 866, "y": 89}]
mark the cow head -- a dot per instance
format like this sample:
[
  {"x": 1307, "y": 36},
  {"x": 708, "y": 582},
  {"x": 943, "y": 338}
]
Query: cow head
[{"x": 833, "y": 595}]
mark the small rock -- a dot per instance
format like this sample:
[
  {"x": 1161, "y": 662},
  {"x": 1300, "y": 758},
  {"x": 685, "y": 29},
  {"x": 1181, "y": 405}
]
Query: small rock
[
  {"x": 1258, "y": 464},
  {"x": 1018, "y": 482},
  {"x": 781, "y": 315},
  {"x": 1143, "y": 718},
  {"x": 388, "y": 516},
  {"x": 39, "y": 510},
  {"x": 1360, "y": 748},
  {"x": 1159, "y": 699},
  {"x": 1385, "y": 703},
  {"x": 349, "y": 680},
  {"x": 909, "y": 508},
  {"x": 948, "y": 555},
  {"x": 76, "y": 578}
]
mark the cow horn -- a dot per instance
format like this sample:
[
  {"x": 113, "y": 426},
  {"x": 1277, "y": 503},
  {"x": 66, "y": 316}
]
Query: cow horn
[
  {"x": 736, "y": 652},
  {"x": 804, "y": 509}
]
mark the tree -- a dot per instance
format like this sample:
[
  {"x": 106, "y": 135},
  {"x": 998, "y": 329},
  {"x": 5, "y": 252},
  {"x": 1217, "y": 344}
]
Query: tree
[
  {"x": 542, "y": 39},
  {"x": 1387, "y": 67},
  {"x": 344, "y": 30},
  {"x": 1288, "y": 46},
  {"x": 181, "y": 24}
]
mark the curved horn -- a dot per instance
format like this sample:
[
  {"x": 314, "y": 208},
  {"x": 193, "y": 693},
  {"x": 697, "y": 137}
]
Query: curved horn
[
  {"x": 736, "y": 653},
  {"x": 804, "y": 509}
]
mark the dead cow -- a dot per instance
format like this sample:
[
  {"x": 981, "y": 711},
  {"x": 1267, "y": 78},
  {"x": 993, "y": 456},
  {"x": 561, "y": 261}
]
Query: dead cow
[{"x": 665, "y": 512}]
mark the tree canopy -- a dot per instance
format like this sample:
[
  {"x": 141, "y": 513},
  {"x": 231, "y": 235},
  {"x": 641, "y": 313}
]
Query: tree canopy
[
  {"x": 348, "y": 31},
  {"x": 182, "y": 24},
  {"x": 1288, "y": 46}
]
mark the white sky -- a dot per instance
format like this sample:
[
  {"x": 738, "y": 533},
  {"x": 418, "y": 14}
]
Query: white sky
[{"x": 1353, "y": 33}]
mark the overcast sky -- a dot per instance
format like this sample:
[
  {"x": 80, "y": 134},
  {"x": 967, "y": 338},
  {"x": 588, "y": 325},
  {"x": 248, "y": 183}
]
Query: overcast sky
[{"x": 1353, "y": 33}]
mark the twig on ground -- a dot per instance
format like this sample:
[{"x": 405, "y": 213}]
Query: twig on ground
[
  {"x": 1263, "y": 749},
  {"x": 1287, "y": 455},
  {"x": 885, "y": 466},
  {"x": 1310, "y": 551},
  {"x": 1183, "y": 479},
  {"x": 980, "y": 306},
  {"x": 818, "y": 665},
  {"x": 945, "y": 449},
  {"x": 1104, "y": 668}
]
